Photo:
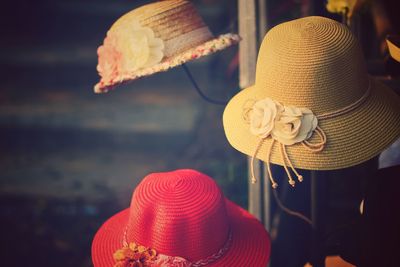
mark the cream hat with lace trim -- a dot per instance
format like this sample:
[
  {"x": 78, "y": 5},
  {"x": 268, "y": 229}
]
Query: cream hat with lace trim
[
  {"x": 154, "y": 38},
  {"x": 313, "y": 105}
]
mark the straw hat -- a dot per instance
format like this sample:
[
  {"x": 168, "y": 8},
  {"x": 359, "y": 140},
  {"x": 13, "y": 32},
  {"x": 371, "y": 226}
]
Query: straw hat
[
  {"x": 313, "y": 105},
  {"x": 154, "y": 38},
  {"x": 181, "y": 218},
  {"x": 393, "y": 43}
]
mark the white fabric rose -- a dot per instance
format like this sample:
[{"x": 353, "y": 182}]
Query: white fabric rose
[
  {"x": 138, "y": 46},
  {"x": 262, "y": 117},
  {"x": 294, "y": 125}
]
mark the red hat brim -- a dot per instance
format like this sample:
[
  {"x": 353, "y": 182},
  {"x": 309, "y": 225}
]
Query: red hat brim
[{"x": 250, "y": 241}]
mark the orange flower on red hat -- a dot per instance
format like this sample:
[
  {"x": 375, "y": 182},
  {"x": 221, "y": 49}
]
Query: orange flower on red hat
[{"x": 134, "y": 255}]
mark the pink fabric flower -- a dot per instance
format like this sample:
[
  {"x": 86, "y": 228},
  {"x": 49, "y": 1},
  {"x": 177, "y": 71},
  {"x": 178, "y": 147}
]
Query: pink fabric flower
[
  {"x": 168, "y": 261},
  {"x": 108, "y": 59}
]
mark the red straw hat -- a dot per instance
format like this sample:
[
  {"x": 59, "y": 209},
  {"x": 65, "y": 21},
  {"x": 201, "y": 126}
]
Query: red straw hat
[{"x": 181, "y": 218}]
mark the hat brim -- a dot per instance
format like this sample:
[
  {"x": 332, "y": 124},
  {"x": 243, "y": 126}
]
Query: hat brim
[
  {"x": 393, "y": 43},
  {"x": 352, "y": 138},
  {"x": 214, "y": 45},
  {"x": 250, "y": 241}
]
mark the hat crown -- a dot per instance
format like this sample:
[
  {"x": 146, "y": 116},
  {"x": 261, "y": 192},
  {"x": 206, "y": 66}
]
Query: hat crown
[
  {"x": 176, "y": 22},
  {"x": 180, "y": 213},
  {"x": 311, "y": 62}
]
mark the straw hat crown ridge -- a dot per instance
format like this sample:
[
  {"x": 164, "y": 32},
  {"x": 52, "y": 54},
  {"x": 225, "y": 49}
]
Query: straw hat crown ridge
[
  {"x": 311, "y": 62},
  {"x": 177, "y": 213},
  {"x": 170, "y": 20}
]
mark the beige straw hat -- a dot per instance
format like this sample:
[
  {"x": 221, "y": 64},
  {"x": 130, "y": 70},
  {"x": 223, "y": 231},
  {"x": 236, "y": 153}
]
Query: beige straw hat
[
  {"x": 153, "y": 38},
  {"x": 313, "y": 105}
]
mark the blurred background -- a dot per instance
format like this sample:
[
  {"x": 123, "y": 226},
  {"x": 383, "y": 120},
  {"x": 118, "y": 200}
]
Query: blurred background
[{"x": 70, "y": 159}]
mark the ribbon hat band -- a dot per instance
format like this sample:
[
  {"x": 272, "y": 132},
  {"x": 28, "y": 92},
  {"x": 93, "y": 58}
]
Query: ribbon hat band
[{"x": 132, "y": 252}]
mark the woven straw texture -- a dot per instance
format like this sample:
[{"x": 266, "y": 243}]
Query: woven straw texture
[
  {"x": 183, "y": 213},
  {"x": 169, "y": 19},
  {"x": 183, "y": 31},
  {"x": 315, "y": 62}
]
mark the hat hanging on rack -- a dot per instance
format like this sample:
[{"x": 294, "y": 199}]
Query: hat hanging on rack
[
  {"x": 154, "y": 38},
  {"x": 347, "y": 8},
  {"x": 181, "y": 218},
  {"x": 313, "y": 105},
  {"x": 393, "y": 43}
]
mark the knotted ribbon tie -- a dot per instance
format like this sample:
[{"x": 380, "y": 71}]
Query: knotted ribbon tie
[{"x": 313, "y": 147}]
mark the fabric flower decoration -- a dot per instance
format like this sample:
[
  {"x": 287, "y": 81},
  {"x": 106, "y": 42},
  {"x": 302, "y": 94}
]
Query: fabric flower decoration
[
  {"x": 134, "y": 256},
  {"x": 108, "y": 59},
  {"x": 127, "y": 48},
  {"x": 294, "y": 125},
  {"x": 286, "y": 124},
  {"x": 168, "y": 261},
  {"x": 139, "y": 47},
  {"x": 262, "y": 117}
]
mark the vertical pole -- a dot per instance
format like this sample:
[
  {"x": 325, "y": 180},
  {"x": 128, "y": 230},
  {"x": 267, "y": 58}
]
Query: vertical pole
[
  {"x": 266, "y": 191},
  {"x": 262, "y": 19},
  {"x": 247, "y": 69},
  {"x": 248, "y": 45}
]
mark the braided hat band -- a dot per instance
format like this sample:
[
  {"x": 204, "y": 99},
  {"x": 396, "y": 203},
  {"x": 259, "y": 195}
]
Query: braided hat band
[
  {"x": 131, "y": 252},
  {"x": 313, "y": 105}
]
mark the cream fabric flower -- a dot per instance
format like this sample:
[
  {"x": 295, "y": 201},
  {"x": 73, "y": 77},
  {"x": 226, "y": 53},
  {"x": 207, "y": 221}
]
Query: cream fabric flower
[
  {"x": 262, "y": 117},
  {"x": 294, "y": 125},
  {"x": 138, "y": 45}
]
